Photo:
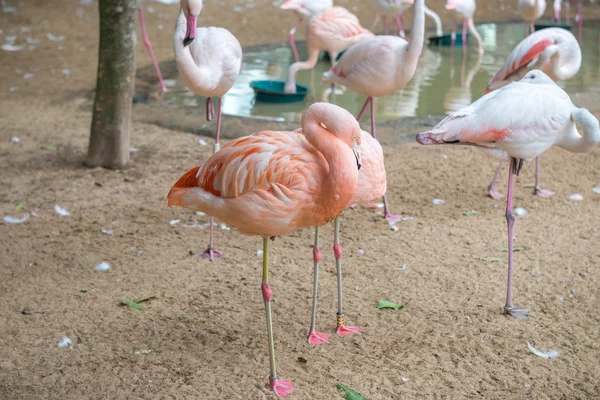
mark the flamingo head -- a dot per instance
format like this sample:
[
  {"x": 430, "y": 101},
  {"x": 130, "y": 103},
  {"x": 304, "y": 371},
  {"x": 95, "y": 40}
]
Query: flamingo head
[
  {"x": 451, "y": 4},
  {"x": 191, "y": 9}
]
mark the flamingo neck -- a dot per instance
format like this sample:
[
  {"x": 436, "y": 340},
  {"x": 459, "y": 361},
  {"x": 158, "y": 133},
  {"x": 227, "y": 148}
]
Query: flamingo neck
[
  {"x": 436, "y": 19},
  {"x": 564, "y": 62},
  {"x": 581, "y": 143},
  {"x": 417, "y": 34},
  {"x": 475, "y": 33},
  {"x": 313, "y": 57}
]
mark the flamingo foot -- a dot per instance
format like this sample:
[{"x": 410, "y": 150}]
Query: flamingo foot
[
  {"x": 393, "y": 218},
  {"x": 517, "y": 312},
  {"x": 211, "y": 254},
  {"x": 347, "y": 330},
  {"x": 316, "y": 338},
  {"x": 543, "y": 193},
  {"x": 281, "y": 387},
  {"x": 494, "y": 194},
  {"x": 373, "y": 205}
]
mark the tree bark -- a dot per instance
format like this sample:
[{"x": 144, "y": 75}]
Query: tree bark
[{"x": 111, "y": 121}]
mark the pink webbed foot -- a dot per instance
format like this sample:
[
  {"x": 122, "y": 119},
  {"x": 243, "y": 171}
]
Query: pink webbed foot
[
  {"x": 393, "y": 217},
  {"x": 517, "y": 312},
  {"x": 543, "y": 193},
  {"x": 211, "y": 254},
  {"x": 348, "y": 330},
  {"x": 373, "y": 205},
  {"x": 282, "y": 387},
  {"x": 494, "y": 194},
  {"x": 316, "y": 338}
]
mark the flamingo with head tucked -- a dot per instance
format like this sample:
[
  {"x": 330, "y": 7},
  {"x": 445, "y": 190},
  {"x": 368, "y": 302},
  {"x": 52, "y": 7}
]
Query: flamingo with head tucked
[
  {"x": 304, "y": 9},
  {"x": 333, "y": 30},
  {"x": 554, "y": 51},
  {"x": 274, "y": 183},
  {"x": 463, "y": 11},
  {"x": 518, "y": 122},
  {"x": 378, "y": 67},
  {"x": 209, "y": 61}
]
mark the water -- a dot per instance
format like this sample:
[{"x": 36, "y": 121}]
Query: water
[{"x": 444, "y": 81}]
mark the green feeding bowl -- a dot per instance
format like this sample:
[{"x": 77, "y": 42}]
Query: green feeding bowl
[
  {"x": 327, "y": 56},
  {"x": 269, "y": 91},
  {"x": 446, "y": 40},
  {"x": 543, "y": 25}
]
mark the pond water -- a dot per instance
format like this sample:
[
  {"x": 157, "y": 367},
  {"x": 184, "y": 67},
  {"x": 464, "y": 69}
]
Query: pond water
[{"x": 445, "y": 80}]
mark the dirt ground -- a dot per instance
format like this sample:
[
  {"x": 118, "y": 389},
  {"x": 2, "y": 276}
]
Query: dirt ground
[{"x": 205, "y": 328}]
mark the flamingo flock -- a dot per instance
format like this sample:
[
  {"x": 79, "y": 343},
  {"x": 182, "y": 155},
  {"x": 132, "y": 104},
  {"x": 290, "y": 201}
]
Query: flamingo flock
[{"x": 273, "y": 183}]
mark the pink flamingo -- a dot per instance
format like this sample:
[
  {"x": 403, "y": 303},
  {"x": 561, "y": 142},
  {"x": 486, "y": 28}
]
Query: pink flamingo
[
  {"x": 396, "y": 8},
  {"x": 209, "y": 61},
  {"x": 463, "y": 10},
  {"x": 536, "y": 114},
  {"x": 148, "y": 45},
  {"x": 333, "y": 30},
  {"x": 371, "y": 186},
  {"x": 303, "y": 8},
  {"x": 378, "y": 67},
  {"x": 557, "y": 9},
  {"x": 554, "y": 51},
  {"x": 531, "y": 10},
  {"x": 274, "y": 183}
]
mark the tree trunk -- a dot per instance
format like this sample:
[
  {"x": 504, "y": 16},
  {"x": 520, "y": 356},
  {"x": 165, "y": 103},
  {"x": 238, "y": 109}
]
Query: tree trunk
[{"x": 111, "y": 122}]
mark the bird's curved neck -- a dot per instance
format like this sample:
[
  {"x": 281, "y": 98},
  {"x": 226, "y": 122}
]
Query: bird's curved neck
[
  {"x": 195, "y": 78},
  {"x": 417, "y": 34},
  {"x": 581, "y": 143},
  {"x": 475, "y": 33},
  {"x": 436, "y": 19},
  {"x": 340, "y": 185},
  {"x": 564, "y": 63},
  {"x": 313, "y": 58}
]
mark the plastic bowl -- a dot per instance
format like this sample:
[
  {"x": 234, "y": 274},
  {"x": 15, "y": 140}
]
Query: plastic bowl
[
  {"x": 446, "y": 40},
  {"x": 269, "y": 91},
  {"x": 544, "y": 25}
]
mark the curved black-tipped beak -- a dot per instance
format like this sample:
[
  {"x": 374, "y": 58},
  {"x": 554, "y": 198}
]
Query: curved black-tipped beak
[
  {"x": 356, "y": 152},
  {"x": 190, "y": 31},
  {"x": 187, "y": 41}
]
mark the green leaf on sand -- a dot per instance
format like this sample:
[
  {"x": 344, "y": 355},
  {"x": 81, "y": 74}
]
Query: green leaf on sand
[
  {"x": 469, "y": 213},
  {"x": 389, "y": 304},
  {"x": 49, "y": 147},
  {"x": 517, "y": 248},
  {"x": 131, "y": 304},
  {"x": 528, "y": 185},
  {"x": 83, "y": 290},
  {"x": 492, "y": 259},
  {"x": 56, "y": 233},
  {"x": 19, "y": 206},
  {"x": 142, "y": 352},
  {"x": 349, "y": 394},
  {"x": 139, "y": 300}
]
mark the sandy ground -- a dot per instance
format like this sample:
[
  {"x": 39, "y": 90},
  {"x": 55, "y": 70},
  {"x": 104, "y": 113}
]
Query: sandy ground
[{"x": 205, "y": 329}]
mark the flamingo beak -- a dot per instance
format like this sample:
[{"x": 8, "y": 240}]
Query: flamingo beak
[
  {"x": 190, "y": 32},
  {"x": 356, "y": 151}
]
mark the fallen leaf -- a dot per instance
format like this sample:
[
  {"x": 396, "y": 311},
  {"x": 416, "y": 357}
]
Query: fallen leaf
[
  {"x": 348, "y": 393},
  {"x": 19, "y": 206},
  {"x": 469, "y": 213},
  {"x": 528, "y": 185},
  {"x": 492, "y": 259},
  {"x": 30, "y": 310},
  {"x": 56, "y": 233},
  {"x": 142, "y": 352},
  {"x": 389, "y": 304},
  {"x": 131, "y": 304},
  {"x": 516, "y": 248},
  {"x": 48, "y": 147},
  {"x": 139, "y": 300}
]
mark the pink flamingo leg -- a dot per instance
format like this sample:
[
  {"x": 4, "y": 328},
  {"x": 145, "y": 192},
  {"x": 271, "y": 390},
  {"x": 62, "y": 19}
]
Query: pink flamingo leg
[
  {"x": 537, "y": 190},
  {"x": 315, "y": 337},
  {"x": 579, "y": 20},
  {"x": 398, "y": 20},
  {"x": 532, "y": 27},
  {"x": 292, "y": 41},
  {"x": 281, "y": 387},
  {"x": 491, "y": 191},
  {"x": 509, "y": 308},
  {"x": 363, "y": 109},
  {"x": 341, "y": 329},
  {"x": 464, "y": 35},
  {"x": 210, "y": 252},
  {"x": 149, "y": 47},
  {"x": 385, "y": 26}
]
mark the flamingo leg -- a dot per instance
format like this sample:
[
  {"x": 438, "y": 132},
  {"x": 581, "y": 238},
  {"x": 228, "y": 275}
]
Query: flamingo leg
[
  {"x": 293, "y": 42},
  {"x": 341, "y": 329},
  {"x": 464, "y": 34},
  {"x": 385, "y": 26},
  {"x": 315, "y": 337},
  {"x": 491, "y": 191},
  {"x": 537, "y": 190},
  {"x": 149, "y": 47},
  {"x": 281, "y": 387},
  {"x": 210, "y": 251},
  {"x": 363, "y": 109},
  {"x": 509, "y": 308},
  {"x": 532, "y": 27},
  {"x": 453, "y": 36},
  {"x": 399, "y": 25}
]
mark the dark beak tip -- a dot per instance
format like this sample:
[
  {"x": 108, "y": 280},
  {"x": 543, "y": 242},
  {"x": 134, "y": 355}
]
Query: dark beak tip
[
  {"x": 187, "y": 41},
  {"x": 359, "y": 165}
]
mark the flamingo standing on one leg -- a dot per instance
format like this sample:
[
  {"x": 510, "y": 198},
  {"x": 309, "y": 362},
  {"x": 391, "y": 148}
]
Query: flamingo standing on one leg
[
  {"x": 303, "y": 8},
  {"x": 536, "y": 114},
  {"x": 274, "y": 183},
  {"x": 209, "y": 61},
  {"x": 393, "y": 9},
  {"x": 554, "y": 51},
  {"x": 333, "y": 30},
  {"x": 463, "y": 11},
  {"x": 148, "y": 45},
  {"x": 378, "y": 67},
  {"x": 531, "y": 10},
  {"x": 371, "y": 186}
]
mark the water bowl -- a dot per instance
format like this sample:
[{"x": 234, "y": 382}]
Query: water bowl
[
  {"x": 544, "y": 25},
  {"x": 446, "y": 40},
  {"x": 327, "y": 56},
  {"x": 270, "y": 91}
]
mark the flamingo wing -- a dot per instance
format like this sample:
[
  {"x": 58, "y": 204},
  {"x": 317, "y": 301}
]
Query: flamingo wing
[
  {"x": 274, "y": 162},
  {"x": 337, "y": 23},
  {"x": 522, "y": 57}
]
